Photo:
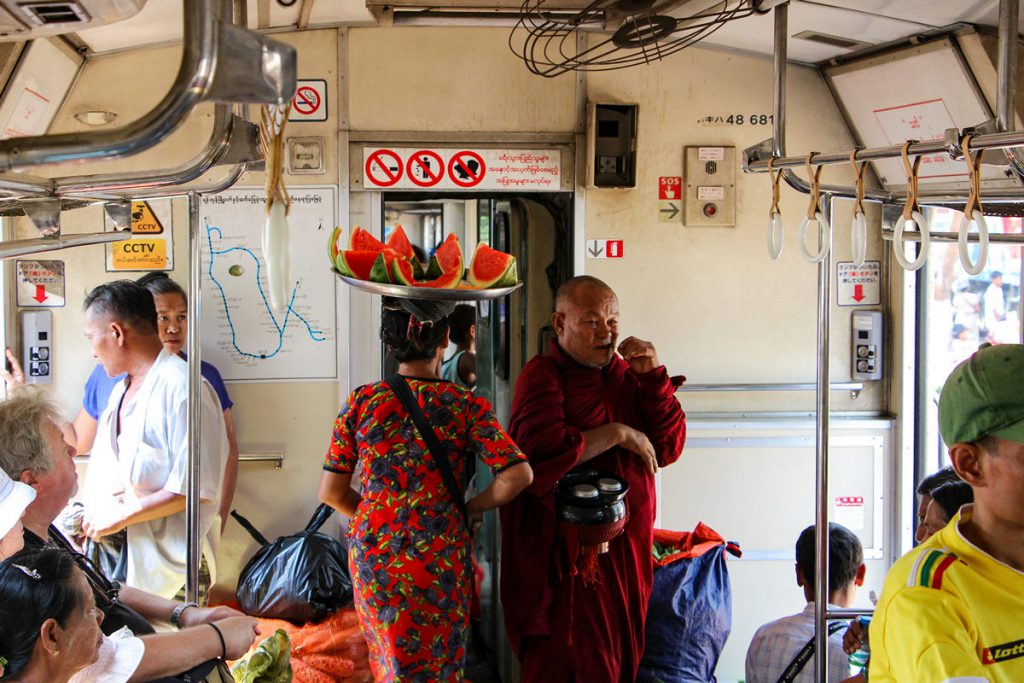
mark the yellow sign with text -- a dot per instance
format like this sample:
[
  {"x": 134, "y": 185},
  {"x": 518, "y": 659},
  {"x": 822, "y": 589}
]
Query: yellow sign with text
[
  {"x": 144, "y": 221},
  {"x": 140, "y": 254}
]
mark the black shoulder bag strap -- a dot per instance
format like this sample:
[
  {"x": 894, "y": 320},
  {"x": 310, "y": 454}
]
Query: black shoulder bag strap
[
  {"x": 401, "y": 389},
  {"x": 805, "y": 654}
]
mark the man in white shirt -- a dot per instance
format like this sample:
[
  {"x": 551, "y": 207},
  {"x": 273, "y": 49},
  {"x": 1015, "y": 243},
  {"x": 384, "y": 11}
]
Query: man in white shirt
[
  {"x": 777, "y": 644},
  {"x": 137, "y": 477},
  {"x": 995, "y": 303}
]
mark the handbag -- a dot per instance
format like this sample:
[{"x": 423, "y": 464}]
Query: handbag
[{"x": 301, "y": 577}]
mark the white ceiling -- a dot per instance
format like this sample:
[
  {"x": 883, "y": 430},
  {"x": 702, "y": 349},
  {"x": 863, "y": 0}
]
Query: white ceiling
[{"x": 869, "y": 21}]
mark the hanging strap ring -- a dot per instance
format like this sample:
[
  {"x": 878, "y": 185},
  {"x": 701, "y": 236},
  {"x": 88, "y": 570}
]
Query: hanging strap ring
[
  {"x": 911, "y": 214},
  {"x": 775, "y": 231},
  {"x": 859, "y": 227},
  {"x": 814, "y": 214},
  {"x": 973, "y": 213}
]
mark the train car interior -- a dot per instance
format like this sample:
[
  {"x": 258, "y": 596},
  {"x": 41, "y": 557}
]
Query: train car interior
[{"x": 807, "y": 206}]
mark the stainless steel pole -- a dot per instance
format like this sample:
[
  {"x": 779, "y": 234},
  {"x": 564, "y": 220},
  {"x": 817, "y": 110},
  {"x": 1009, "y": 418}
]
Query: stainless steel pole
[
  {"x": 193, "y": 529},
  {"x": 821, "y": 592}
]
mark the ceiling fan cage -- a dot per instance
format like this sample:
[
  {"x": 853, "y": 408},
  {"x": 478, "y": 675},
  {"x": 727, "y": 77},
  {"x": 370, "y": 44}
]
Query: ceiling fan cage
[{"x": 637, "y": 32}]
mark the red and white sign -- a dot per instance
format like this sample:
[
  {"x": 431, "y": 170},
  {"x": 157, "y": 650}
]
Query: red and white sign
[
  {"x": 670, "y": 187},
  {"x": 604, "y": 249},
  {"x": 849, "y": 511},
  {"x": 310, "y": 101},
  {"x": 462, "y": 169},
  {"x": 466, "y": 168},
  {"x": 383, "y": 168},
  {"x": 425, "y": 168},
  {"x": 40, "y": 283}
]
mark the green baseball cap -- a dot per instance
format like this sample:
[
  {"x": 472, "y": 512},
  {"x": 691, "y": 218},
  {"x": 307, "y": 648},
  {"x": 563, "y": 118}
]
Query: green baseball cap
[{"x": 984, "y": 396}]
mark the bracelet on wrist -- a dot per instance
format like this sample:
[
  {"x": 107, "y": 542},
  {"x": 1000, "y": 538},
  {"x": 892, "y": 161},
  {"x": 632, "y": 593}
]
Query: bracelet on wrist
[
  {"x": 223, "y": 645},
  {"x": 178, "y": 611}
]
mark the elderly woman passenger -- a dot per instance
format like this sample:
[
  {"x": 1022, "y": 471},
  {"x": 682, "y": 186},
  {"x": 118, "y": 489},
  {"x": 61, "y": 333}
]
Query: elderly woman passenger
[{"x": 51, "y": 625}]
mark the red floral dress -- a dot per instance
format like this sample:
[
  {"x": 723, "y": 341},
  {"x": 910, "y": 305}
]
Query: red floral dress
[{"x": 409, "y": 549}]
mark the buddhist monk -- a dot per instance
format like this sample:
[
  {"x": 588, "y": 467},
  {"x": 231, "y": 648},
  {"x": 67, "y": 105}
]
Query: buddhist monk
[{"x": 611, "y": 406}]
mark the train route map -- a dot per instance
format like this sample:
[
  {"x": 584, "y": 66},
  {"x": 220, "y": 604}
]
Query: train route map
[{"x": 242, "y": 335}]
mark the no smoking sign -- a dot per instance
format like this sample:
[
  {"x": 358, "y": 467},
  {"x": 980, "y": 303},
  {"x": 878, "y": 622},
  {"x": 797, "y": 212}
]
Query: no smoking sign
[{"x": 310, "y": 101}]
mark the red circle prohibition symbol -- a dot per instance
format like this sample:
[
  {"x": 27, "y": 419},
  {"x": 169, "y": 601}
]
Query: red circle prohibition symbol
[
  {"x": 389, "y": 166},
  {"x": 466, "y": 168},
  {"x": 307, "y": 100},
  {"x": 429, "y": 163}
]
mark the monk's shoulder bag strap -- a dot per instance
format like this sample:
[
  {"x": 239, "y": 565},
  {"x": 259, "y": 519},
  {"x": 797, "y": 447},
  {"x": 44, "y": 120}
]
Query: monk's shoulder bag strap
[
  {"x": 401, "y": 389},
  {"x": 805, "y": 654}
]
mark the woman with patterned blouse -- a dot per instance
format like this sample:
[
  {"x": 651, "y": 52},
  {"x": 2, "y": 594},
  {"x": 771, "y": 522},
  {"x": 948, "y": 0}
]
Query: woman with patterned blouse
[{"x": 410, "y": 548}]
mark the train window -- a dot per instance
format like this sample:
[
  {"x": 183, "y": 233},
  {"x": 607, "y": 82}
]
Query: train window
[{"x": 963, "y": 311}]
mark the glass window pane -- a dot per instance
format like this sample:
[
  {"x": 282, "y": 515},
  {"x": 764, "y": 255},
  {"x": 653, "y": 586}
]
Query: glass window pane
[{"x": 963, "y": 311}]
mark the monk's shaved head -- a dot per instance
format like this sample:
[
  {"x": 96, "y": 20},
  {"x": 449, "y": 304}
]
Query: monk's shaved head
[{"x": 568, "y": 293}]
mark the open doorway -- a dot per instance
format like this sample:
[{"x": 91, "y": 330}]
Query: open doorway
[{"x": 537, "y": 229}]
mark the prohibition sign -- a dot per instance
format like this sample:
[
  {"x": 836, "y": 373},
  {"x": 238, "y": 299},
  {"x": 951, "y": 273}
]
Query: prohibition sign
[
  {"x": 430, "y": 165},
  {"x": 466, "y": 168},
  {"x": 307, "y": 100},
  {"x": 383, "y": 168}
]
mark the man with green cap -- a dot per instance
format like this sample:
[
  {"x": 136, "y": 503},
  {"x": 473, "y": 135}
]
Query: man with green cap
[{"x": 953, "y": 608}]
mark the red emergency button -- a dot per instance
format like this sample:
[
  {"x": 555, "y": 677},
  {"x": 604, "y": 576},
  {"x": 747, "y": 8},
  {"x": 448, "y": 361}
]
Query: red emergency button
[{"x": 710, "y": 210}]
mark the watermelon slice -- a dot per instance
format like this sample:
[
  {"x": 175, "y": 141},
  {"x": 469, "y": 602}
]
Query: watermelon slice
[
  {"x": 332, "y": 246},
  {"x": 400, "y": 243},
  {"x": 381, "y": 270},
  {"x": 403, "y": 273},
  {"x": 447, "y": 258},
  {"x": 361, "y": 240},
  {"x": 492, "y": 268},
  {"x": 357, "y": 264}
]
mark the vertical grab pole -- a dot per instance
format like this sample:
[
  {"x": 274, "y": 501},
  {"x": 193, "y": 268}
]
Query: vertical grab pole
[
  {"x": 821, "y": 592},
  {"x": 1006, "y": 76},
  {"x": 192, "y": 526},
  {"x": 781, "y": 16}
]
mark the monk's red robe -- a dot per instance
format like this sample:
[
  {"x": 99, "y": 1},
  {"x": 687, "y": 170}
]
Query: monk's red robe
[{"x": 596, "y": 631}]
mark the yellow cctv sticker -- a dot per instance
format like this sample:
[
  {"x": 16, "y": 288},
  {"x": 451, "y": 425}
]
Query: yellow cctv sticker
[{"x": 144, "y": 221}]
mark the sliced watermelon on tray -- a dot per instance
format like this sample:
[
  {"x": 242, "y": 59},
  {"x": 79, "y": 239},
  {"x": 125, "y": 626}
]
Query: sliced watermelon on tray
[
  {"x": 492, "y": 268},
  {"x": 403, "y": 273},
  {"x": 399, "y": 243},
  {"x": 446, "y": 258},
  {"x": 362, "y": 240},
  {"x": 357, "y": 264}
]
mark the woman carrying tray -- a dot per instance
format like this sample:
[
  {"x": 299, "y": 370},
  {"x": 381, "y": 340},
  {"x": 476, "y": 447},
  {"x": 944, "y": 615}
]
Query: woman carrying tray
[{"x": 409, "y": 532}]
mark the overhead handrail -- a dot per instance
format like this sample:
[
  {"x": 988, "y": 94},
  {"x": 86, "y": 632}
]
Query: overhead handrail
[
  {"x": 775, "y": 231},
  {"x": 973, "y": 213},
  {"x": 224, "y": 125},
  {"x": 191, "y": 84},
  {"x": 859, "y": 226},
  {"x": 911, "y": 215},
  {"x": 755, "y": 158},
  {"x": 814, "y": 214}
]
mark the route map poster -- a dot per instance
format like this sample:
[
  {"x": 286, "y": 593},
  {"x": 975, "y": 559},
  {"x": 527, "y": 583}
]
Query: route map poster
[{"x": 242, "y": 335}]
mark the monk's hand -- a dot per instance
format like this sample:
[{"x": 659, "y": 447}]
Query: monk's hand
[
  {"x": 640, "y": 354},
  {"x": 637, "y": 442}
]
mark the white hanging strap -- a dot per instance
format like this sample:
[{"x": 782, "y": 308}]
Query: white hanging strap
[
  {"x": 911, "y": 214},
  {"x": 973, "y": 213},
  {"x": 814, "y": 214},
  {"x": 859, "y": 227},
  {"x": 774, "y": 213},
  {"x": 276, "y": 240}
]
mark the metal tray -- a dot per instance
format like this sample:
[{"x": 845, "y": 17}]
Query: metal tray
[{"x": 427, "y": 293}]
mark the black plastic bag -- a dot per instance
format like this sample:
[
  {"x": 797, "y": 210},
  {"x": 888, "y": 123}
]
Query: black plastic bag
[{"x": 300, "y": 578}]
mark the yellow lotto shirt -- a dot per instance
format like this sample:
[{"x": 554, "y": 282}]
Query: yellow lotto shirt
[{"x": 949, "y": 613}]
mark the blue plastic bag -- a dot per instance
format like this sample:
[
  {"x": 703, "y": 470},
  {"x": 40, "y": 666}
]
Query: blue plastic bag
[{"x": 689, "y": 615}]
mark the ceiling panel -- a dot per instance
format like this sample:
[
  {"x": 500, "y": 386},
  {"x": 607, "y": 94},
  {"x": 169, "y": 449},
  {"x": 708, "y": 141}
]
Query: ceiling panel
[
  {"x": 160, "y": 21},
  {"x": 929, "y": 12},
  {"x": 755, "y": 33}
]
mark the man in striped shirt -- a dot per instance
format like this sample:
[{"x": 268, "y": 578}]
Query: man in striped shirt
[{"x": 952, "y": 610}]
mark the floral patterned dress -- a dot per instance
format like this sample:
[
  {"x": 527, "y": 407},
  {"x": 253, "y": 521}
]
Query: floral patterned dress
[{"x": 409, "y": 548}]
